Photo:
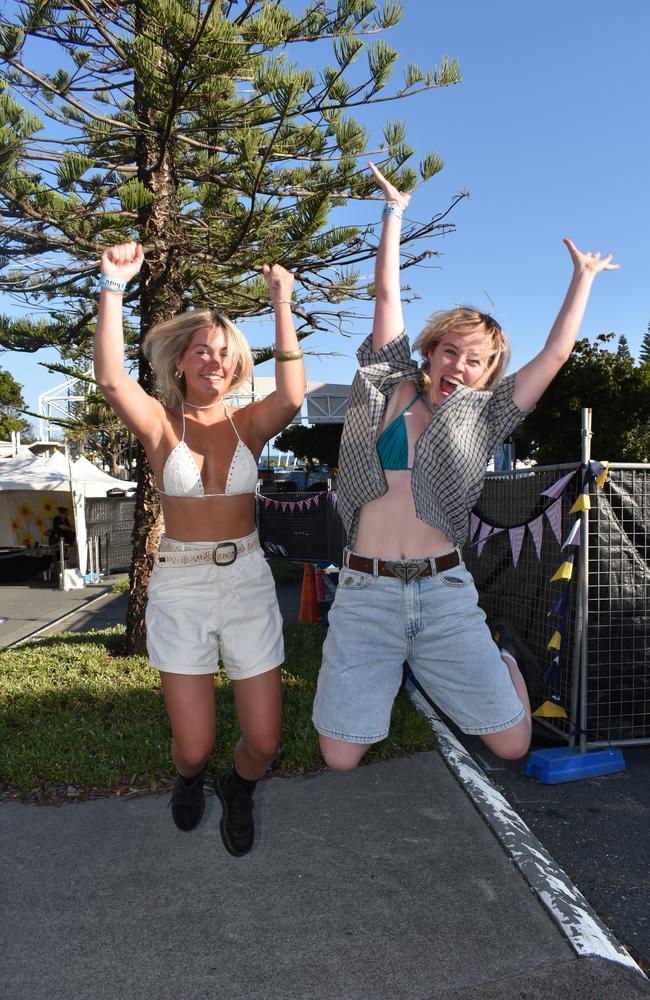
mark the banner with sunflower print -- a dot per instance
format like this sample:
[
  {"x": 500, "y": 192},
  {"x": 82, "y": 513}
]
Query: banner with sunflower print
[{"x": 32, "y": 513}]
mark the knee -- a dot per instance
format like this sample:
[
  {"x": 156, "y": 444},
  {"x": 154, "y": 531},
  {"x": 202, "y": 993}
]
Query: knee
[
  {"x": 191, "y": 754},
  {"x": 264, "y": 746},
  {"x": 341, "y": 756},
  {"x": 513, "y": 746}
]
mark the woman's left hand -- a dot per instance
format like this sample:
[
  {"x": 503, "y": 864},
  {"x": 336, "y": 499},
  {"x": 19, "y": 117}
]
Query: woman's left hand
[
  {"x": 589, "y": 263},
  {"x": 280, "y": 282},
  {"x": 389, "y": 190}
]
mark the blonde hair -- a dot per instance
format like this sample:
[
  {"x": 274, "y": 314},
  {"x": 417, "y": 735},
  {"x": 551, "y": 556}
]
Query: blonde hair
[
  {"x": 465, "y": 320},
  {"x": 166, "y": 342}
]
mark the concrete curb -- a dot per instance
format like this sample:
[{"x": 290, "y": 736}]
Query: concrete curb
[{"x": 568, "y": 908}]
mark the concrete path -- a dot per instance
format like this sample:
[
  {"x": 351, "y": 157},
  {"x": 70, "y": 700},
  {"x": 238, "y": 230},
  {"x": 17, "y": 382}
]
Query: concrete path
[{"x": 407, "y": 880}]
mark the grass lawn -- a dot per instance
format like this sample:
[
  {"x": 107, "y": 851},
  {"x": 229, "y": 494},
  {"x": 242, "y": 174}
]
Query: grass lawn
[{"x": 79, "y": 719}]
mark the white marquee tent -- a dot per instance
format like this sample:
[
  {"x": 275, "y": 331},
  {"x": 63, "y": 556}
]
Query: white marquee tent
[{"x": 32, "y": 488}]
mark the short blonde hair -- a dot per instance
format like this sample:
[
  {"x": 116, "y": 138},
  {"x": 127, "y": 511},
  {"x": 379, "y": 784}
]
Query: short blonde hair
[
  {"x": 465, "y": 320},
  {"x": 166, "y": 342}
]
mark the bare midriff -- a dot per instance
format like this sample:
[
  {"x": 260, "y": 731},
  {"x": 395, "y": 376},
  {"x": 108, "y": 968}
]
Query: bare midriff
[
  {"x": 390, "y": 529},
  {"x": 208, "y": 519}
]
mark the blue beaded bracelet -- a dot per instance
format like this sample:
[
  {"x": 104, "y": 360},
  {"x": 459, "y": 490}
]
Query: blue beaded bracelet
[{"x": 111, "y": 284}]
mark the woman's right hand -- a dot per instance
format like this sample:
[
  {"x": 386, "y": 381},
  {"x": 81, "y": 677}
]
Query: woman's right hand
[
  {"x": 389, "y": 190},
  {"x": 122, "y": 261}
]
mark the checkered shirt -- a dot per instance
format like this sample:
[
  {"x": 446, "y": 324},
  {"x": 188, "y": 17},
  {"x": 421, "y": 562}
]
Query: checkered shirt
[{"x": 451, "y": 455}]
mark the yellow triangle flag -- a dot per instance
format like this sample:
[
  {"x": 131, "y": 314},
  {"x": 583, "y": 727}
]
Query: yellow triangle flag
[
  {"x": 549, "y": 710},
  {"x": 603, "y": 476},
  {"x": 555, "y": 641},
  {"x": 564, "y": 572},
  {"x": 582, "y": 503}
]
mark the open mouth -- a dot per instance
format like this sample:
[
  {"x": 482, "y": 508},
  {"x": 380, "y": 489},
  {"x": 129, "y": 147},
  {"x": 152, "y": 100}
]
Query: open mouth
[{"x": 447, "y": 385}]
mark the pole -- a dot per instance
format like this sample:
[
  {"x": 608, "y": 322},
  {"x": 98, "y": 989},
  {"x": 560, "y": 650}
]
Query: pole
[{"x": 579, "y": 664}]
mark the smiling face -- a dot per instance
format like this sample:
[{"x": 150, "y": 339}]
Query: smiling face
[
  {"x": 459, "y": 359},
  {"x": 207, "y": 365}
]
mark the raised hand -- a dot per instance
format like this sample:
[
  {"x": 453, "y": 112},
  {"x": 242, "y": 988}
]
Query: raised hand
[
  {"x": 589, "y": 263},
  {"x": 122, "y": 261},
  {"x": 389, "y": 190},
  {"x": 280, "y": 282}
]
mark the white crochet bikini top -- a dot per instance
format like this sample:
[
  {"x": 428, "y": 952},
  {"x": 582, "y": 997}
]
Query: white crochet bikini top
[{"x": 182, "y": 478}]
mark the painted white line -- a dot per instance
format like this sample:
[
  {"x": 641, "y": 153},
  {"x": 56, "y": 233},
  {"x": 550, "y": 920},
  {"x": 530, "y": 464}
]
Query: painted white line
[{"x": 586, "y": 932}]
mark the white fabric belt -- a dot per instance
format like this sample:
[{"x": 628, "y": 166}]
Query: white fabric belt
[{"x": 224, "y": 553}]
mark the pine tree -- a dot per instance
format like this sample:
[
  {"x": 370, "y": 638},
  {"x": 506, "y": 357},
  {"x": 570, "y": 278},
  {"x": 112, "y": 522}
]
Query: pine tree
[
  {"x": 644, "y": 353},
  {"x": 623, "y": 350},
  {"x": 11, "y": 405},
  {"x": 185, "y": 124}
]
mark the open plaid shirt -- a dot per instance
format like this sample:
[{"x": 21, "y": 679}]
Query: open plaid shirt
[{"x": 451, "y": 455}]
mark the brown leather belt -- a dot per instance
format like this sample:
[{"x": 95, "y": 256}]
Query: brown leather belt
[{"x": 404, "y": 569}]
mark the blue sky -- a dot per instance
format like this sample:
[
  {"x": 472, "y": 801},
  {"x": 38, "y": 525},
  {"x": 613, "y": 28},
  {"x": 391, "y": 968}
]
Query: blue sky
[{"x": 548, "y": 132}]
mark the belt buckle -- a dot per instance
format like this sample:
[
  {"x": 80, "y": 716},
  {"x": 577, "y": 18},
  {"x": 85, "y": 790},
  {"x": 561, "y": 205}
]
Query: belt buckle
[
  {"x": 405, "y": 571},
  {"x": 222, "y": 545}
]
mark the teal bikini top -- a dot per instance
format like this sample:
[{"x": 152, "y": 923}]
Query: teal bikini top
[{"x": 393, "y": 443}]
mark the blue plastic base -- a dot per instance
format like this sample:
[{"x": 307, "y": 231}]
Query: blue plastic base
[{"x": 566, "y": 764}]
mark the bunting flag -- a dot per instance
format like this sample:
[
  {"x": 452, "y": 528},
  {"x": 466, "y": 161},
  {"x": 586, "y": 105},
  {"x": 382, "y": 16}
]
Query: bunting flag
[
  {"x": 554, "y": 516},
  {"x": 480, "y": 530},
  {"x": 516, "y": 541},
  {"x": 536, "y": 527},
  {"x": 562, "y": 604},
  {"x": 596, "y": 472},
  {"x": 559, "y": 487},
  {"x": 555, "y": 642},
  {"x": 484, "y": 533},
  {"x": 292, "y": 505},
  {"x": 564, "y": 570},
  {"x": 550, "y": 710},
  {"x": 573, "y": 538}
]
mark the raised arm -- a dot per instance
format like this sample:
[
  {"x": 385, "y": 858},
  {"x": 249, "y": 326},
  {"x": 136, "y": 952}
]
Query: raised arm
[
  {"x": 272, "y": 414},
  {"x": 388, "y": 321},
  {"x": 533, "y": 378},
  {"x": 139, "y": 411}
]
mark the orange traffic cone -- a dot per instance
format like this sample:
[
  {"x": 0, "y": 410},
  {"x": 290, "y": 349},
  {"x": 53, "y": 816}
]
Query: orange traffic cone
[{"x": 309, "y": 611}]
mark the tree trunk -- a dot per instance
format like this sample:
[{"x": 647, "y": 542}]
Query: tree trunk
[{"x": 160, "y": 299}]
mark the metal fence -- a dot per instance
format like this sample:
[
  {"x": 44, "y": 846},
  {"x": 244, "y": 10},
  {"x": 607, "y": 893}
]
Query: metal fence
[
  {"x": 109, "y": 523},
  {"x": 604, "y": 673}
]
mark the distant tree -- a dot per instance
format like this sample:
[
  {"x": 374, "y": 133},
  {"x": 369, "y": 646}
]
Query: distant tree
[
  {"x": 317, "y": 445},
  {"x": 616, "y": 391},
  {"x": 644, "y": 353},
  {"x": 623, "y": 350},
  {"x": 11, "y": 401},
  {"x": 208, "y": 131}
]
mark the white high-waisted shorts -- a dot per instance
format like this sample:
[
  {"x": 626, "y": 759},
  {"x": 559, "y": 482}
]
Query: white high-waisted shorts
[{"x": 200, "y": 614}]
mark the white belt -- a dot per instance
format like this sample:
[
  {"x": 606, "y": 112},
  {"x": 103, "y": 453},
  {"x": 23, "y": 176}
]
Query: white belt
[{"x": 224, "y": 553}]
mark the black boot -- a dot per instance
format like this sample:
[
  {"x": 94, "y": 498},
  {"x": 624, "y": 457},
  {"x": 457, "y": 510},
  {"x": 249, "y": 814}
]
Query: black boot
[
  {"x": 188, "y": 801},
  {"x": 237, "y": 829}
]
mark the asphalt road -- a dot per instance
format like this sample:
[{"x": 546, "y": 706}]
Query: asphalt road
[{"x": 597, "y": 831}]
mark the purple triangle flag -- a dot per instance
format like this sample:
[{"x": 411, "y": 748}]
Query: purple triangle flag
[
  {"x": 536, "y": 527},
  {"x": 554, "y": 515},
  {"x": 473, "y": 525},
  {"x": 516, "y": 541},
  {"x": 483, "y": 537},
  {"x": 558, "y": 487}
]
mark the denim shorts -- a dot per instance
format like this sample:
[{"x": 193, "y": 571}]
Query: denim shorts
[
  {"x": 200, "y": 614},
  {"x": 434, "y": 622}
]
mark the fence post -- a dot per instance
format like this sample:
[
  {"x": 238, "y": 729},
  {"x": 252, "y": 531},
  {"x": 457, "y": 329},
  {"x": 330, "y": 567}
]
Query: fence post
[{"x": 579, "y": 663}]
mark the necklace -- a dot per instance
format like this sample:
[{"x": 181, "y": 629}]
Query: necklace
[{"x": 208, "y": 406}]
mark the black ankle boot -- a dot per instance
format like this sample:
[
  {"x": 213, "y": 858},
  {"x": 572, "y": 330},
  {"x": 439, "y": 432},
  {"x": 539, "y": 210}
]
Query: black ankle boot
[
  {"x": 188, "y": 801},
  {"x": 237, "y": 829}
]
